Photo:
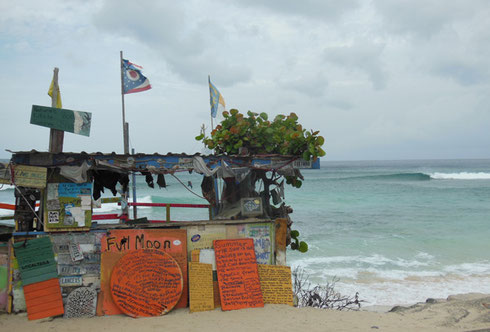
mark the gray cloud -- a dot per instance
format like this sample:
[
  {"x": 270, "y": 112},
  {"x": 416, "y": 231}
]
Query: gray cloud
[
  {"x": 379, "y": 79},
  {"x": 360, "y": 56},
  {"x": 319, "y": 9},
  {"x": 191, "y": 43},
  {"x": 462, "y": 73},
  {"x": 424, "y": 18}
]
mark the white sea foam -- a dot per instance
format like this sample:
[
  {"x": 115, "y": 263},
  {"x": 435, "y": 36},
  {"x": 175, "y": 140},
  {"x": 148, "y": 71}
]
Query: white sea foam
[
  {"x": 5, "y": 212},
  {"x": 113, "y": 207},
  {"x": 407, "y": 292},
  {"x": 373, "y": 260},
  {"x": 383, "y": 285},
  {"x": 6, "y": 187},
  {"x": 460, "y": 176}
]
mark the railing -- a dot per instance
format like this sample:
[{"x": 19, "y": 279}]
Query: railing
[
  {"x": 173, "y": 205},
  {"x": 109, "y": 216}
]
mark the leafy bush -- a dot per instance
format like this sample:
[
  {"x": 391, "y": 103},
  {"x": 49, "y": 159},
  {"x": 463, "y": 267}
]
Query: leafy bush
[{"x": 257, "y": 135}]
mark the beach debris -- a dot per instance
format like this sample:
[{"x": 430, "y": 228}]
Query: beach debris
[{"x": 321, "y": 296}]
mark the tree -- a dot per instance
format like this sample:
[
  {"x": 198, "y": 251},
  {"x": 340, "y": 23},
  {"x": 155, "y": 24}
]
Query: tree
[{"x": 254, "y": 134}]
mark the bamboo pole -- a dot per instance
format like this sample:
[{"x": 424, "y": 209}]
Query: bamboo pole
[{"x": 56, "y": 136}]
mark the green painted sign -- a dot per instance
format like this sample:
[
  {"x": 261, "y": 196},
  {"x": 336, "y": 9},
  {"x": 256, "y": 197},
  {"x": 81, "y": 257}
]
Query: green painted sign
[
  {"x": 62, "y": 119},
  {"x": 36, "y": 260}
]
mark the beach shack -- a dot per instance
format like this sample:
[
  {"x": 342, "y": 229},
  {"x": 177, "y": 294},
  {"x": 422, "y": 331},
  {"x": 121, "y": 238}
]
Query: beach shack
[{"x": 63, "y": 259}]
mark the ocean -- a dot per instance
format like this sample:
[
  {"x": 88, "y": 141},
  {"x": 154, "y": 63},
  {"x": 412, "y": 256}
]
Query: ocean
[{"x": 397, "y": 232}]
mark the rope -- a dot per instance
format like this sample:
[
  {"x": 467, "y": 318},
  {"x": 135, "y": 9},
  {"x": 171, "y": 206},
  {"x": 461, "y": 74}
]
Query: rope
[{"x": 192, "y": 192}]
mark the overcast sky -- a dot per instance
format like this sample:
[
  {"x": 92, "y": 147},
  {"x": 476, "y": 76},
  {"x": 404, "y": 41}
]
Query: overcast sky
[{"x": 404, "y": 79}]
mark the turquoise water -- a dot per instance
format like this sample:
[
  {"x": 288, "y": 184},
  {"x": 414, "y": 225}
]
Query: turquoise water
[{"x": 397, "y": 232}]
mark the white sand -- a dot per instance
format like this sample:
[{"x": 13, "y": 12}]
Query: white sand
[{"x": 459, "y": 313}]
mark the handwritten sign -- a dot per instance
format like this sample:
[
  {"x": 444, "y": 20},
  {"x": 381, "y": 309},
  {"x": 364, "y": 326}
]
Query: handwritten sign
[
  {"x": 201, "y": 296},
  {"x": 118, "y": 242},
  {"x": 275, "y": 282},
  {"x": 146, "y": 283},
  {"x": 30, "y": 176},
  {"x": 238, "y": 278}
]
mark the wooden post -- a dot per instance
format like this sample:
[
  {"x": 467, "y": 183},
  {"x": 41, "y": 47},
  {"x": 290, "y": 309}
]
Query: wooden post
[
  {"x": 56, "y": 137},
  {"x": 133, "y": 180}
]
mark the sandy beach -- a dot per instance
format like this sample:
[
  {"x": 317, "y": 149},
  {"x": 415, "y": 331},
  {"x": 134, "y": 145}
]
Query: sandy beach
[{"x": 468, "y": 312}]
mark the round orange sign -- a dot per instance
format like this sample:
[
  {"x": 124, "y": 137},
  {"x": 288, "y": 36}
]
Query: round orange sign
[{"x": 146, "y": 283}]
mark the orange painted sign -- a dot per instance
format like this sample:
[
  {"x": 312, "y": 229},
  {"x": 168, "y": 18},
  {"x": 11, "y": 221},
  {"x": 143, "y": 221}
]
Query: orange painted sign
[
  {"x": 238, "y": 278},
  {"x": 119, "y": 242},
  {"x": 43, "y": 299},
  {"x": 146, "y": 283}
]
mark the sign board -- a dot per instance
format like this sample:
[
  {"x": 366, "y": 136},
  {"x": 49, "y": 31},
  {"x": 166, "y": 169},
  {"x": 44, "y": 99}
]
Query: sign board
[
  {"x": 275, "y": 283},
  {"x": 146, "y": 283},
  {"x": 202, "y": 237},
  {"x": 25, "y": 176},
  {"x": 62, "y": 119},
  {"x": 82, "y": 302},
  {"x": 238, "y": 277},
  {"x": 68, "y": 205},
  {"x": 117, "y": 243},
  {"x": 201, "y": 294},
  {"x": 43, "y": 299},
  {"x": 251, "y": 206}
]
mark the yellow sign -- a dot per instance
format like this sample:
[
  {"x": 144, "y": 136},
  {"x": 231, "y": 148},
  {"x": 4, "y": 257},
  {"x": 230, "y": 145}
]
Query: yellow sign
[
  {"x": 30, "y": 176},
  {"x": 275, "y": 282},
  {"x": 4, "y": 173},
  {"x": 201, "y": 295}
]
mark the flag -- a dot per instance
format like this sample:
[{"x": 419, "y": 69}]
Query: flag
[
  {"x": 215, "y": 98},
  {"x": 58, "y": 96},
  {"x": 133, "y": 80}
]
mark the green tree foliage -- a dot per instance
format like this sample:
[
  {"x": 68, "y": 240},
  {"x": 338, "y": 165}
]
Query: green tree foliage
[{"x": 284, "y": 136}]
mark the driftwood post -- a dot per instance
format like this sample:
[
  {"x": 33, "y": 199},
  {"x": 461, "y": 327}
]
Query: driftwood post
[{"x": 56, "y": 137}]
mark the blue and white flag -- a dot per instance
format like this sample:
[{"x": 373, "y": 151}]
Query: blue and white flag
[
  {"x": 133, "y": 79},
  {"x": 215, "y": 99}
]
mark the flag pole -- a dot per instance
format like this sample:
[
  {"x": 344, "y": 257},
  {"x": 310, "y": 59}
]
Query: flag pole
[
  {"x": 209, "y": 85},
  {"x": 124, "y": 195},
  {"x": 125, "y": 132}
]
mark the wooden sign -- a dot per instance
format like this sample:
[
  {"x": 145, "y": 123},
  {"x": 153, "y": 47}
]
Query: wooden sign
[
  {"x": 43, "y": 299},
  {"x": 275, "y": 283},
  {"x": 36, "y": 260},
  {"x": 238, "y": 278},
  {"x": 201, "y": 295},
  {"x": 30, "y": 176},
  {"x": 146, "y": 283},
  {"x": 62, "y": 119},
  {"x": 117, "y": 243}
]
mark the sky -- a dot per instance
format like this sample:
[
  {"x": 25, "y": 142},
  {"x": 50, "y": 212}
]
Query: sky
[{"x": 380, "y": 80}]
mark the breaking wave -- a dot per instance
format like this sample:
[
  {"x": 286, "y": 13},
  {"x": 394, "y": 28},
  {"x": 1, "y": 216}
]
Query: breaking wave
[{"x": 461, "y": 176}]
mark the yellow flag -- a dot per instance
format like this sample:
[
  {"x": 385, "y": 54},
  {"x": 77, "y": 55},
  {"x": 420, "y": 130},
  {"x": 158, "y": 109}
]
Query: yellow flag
[{"x": 50, "y": 93}]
